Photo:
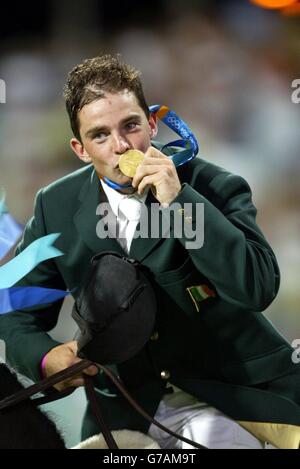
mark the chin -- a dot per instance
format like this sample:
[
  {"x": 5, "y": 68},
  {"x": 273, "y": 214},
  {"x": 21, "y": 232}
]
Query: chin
[{"x": 121, "y": 179}]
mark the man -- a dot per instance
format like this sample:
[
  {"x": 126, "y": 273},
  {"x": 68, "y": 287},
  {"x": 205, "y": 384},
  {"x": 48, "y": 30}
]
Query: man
[{"x": 213, "y": 359}]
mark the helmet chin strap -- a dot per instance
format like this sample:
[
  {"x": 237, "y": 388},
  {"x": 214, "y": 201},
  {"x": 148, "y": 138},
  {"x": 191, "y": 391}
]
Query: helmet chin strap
[{"x": 188, "y": 141}]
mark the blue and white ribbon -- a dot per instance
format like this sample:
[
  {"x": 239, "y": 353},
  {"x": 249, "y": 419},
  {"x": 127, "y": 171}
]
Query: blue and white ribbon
[{"x": 188, "y": 140}]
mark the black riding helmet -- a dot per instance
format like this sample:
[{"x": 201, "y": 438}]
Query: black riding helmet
[{"x": 115, "y": 309}]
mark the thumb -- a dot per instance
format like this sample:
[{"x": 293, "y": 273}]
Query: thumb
[{"x": 92, "y": 370}]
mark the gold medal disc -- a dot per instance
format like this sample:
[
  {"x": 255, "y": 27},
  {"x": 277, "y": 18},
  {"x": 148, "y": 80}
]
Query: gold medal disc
[{"x": 129, "y": 161}]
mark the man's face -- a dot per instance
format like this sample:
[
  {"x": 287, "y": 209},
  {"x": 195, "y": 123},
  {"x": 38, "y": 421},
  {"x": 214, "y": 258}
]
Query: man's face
[{"x": 108, "y": 128}]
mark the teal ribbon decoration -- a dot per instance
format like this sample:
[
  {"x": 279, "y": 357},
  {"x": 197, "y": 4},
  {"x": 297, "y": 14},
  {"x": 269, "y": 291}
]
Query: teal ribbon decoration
[
  {"x": 18, "y": 298},
  {"x": 38, "y": 251},
  {"x": 10, "y": 230}
]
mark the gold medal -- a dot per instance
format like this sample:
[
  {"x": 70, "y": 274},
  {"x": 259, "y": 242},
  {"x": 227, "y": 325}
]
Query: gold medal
[{"x": 129, "y": 161}]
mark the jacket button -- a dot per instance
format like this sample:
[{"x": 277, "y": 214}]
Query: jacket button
[
  {"x": 165, "y": 374},
  {"x": 154, "y": 336}
]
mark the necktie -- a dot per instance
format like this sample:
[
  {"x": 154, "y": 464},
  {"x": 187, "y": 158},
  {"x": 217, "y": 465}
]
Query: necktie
[{"x": 129, "y": 213}]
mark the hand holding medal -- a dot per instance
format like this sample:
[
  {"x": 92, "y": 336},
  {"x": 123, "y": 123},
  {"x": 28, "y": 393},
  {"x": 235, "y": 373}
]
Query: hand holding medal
[{"x": 153, "y": 169}]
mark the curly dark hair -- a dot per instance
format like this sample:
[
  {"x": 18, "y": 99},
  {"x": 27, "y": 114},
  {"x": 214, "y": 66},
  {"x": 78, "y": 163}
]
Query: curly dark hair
[{"x": 90, "y": 80}]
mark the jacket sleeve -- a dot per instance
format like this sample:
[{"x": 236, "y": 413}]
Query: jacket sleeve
[
  {"x": 25, "y": 331},
  {"x": 234, "y": 255}
]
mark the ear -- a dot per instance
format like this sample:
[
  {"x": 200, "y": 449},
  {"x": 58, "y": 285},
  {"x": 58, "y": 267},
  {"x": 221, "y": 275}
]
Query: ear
[
  {"x": 153, "y": 125},
  {"x": 80, "y": 151}
]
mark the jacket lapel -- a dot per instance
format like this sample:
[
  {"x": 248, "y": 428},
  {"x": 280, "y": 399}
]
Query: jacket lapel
[{"x": 87, "y": 220}]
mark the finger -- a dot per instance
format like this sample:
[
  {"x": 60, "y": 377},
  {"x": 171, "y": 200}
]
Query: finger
[
  {"x": 91, "y": 370},
  {"x": 158, "y": 159},
  {"x": 149, "y": 180},
  {"x": 152, "y": 165},
  {"x": 154, "y": 153},
  {"x": 75, "y": 382},
  {"x": 144, "y": 170},
  {"x": 77, "y": 376},
  {"x": 70, "y": 383}
]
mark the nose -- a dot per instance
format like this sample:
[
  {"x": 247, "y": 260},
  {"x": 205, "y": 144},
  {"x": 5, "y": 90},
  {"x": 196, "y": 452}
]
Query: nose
[{"x": 120, "y": 144}]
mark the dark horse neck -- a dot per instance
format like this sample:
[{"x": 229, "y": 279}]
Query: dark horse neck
[{"x": 24, "y": 426}]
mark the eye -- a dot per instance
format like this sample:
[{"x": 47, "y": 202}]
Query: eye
[
  {"x": 100, "y": 136},
  {"x": 132, "y": 125}
]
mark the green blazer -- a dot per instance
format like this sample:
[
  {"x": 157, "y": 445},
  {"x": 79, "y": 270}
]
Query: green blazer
[{"x": 218, "y": 347}]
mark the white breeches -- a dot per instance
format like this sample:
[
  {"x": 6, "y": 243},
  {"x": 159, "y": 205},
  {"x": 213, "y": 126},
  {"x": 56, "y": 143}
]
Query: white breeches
[{"x": 199, "y": 422}]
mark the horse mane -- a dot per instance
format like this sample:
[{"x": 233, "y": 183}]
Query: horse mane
[{"x": 24, "y": 426}]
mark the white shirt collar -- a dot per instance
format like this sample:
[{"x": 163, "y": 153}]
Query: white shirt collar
[{"x": 115, "y": 197}]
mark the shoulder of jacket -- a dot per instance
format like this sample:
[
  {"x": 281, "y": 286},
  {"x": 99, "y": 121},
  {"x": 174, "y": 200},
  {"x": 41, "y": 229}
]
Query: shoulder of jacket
[
  {"x": 71, "y": 182},
  {"x": 214, "y": 182},
  {"x": 201, "y": 169}
]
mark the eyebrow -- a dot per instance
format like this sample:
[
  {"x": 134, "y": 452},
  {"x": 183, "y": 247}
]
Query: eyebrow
[{"x": 98, "y": 129}]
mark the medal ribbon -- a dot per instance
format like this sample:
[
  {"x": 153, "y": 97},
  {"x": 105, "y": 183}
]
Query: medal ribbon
[{"x": 175, "y": 123}]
